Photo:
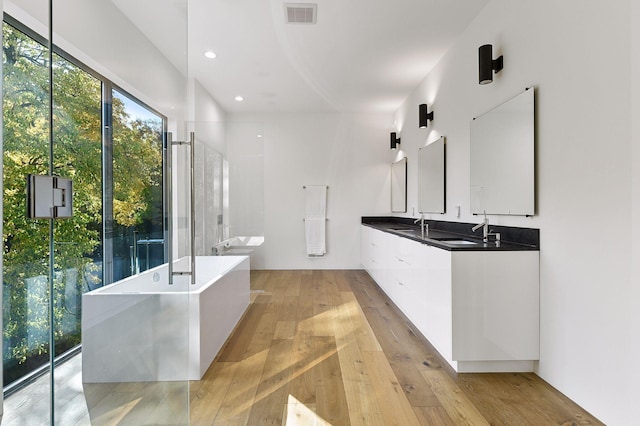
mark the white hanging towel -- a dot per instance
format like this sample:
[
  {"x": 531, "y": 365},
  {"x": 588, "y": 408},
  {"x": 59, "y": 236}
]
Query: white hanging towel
[
  {"x": 315, "y": 220},
  {"x": 314, "y": 230}
]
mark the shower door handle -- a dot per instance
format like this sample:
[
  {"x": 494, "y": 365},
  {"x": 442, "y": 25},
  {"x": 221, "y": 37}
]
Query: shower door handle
[{"x": 191, "y": 143}]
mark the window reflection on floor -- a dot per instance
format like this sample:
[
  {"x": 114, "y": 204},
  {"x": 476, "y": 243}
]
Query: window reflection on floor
[
  {"x": 94, "y": 404},
  {"x": 296, "y": 413}
]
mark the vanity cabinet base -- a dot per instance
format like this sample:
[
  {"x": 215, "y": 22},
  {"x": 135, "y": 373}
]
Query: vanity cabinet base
[
  {"x": 479, "y": 309},
  {"x": 494, "y": 366}
]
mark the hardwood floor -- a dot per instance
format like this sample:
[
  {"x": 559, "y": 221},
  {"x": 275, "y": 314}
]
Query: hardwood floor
[
  {"x": 314, "y": 348},
  {"x": 328, "y": 347}
]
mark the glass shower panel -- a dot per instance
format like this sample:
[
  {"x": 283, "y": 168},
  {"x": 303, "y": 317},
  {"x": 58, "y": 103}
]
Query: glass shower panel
[
  {"x": 210, "y": 218},
  {"x": 77, "y": 241},
  {"x": 26, "y": 266},
  {"x": 133, "y": 368},
  {"x": 245, "y": 155},
  {"x": 229, "y": 189},
  {"x": 111, "y": 144}
]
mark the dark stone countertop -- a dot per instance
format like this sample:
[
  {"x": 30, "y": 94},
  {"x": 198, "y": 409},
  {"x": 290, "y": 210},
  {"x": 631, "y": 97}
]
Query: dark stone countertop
[{"x": 457, "y": 236}]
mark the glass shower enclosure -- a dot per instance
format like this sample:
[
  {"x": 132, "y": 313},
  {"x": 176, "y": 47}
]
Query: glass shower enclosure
[{"x": 91, "y": 92}]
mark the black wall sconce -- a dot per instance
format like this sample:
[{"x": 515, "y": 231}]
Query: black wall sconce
[
  {"x": 423, "y": 117},
  {"x": 487, "y": 65},
  {"x": 394, "y": 140}
]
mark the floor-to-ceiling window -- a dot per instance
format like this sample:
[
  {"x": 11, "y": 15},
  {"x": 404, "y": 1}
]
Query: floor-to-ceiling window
[
  {"x": 138, "y": 231},
  {"x": 26, "y": 260},
  {"x": 77, "y": 154},
  {"x": 77, "y": 151}
]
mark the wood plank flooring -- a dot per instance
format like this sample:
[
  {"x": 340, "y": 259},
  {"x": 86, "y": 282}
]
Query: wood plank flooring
[
  {"x": 329, "y": 348},
  {"x": 314, "y": 348}
]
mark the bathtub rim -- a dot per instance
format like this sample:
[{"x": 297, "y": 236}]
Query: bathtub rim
[{"x": 107, "y": 290}]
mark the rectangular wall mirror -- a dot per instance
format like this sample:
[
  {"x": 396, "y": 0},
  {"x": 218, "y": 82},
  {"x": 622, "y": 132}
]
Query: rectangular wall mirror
[
  {"x": 431, "y": 177},
  {"x": 399, "y": 186},
  {"x": 502, "y": 158}
]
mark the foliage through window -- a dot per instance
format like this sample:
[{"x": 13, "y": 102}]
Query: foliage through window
[{"x": 77, "y": 154}]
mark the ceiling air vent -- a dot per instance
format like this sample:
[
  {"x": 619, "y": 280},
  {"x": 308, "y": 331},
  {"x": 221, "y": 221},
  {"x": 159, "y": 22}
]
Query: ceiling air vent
[{"x": 300, "y": 13}]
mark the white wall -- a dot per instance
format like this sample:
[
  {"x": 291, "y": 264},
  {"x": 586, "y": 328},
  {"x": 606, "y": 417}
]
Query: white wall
[
  {"x": 206, "y": 117},
  {"x": 633, "y": 392},
  {"x": 576, "y": 54},
  {"x": 347, "y": 152}
]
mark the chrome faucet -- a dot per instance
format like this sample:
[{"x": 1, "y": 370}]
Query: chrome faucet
[
  {"x": 485, "y": 228},
  {"x": 424, "y": 227},
  {"x": 486, "y": 233}
]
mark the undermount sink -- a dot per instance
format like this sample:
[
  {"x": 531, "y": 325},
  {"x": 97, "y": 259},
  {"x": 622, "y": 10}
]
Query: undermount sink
[
  {"x": 460, "y": 242},
  {"x": 435, "y": 235},
  {"x": 411, "y": 232}
]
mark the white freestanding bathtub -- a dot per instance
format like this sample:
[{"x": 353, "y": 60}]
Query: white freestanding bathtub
[{"x": 142, "y": 329}]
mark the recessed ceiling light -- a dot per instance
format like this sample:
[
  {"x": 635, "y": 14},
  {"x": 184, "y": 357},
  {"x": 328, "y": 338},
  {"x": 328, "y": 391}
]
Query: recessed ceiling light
[
  {"x": 210, "y": 54},
  {"x": 259, "y": 136},
  {"x": 239, "y": 98}
]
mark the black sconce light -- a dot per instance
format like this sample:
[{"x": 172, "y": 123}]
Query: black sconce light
[
  {"x": 394, "y": 140},
  {"x": 487, "y": 65},
  {"x": 423, "y": 117}
]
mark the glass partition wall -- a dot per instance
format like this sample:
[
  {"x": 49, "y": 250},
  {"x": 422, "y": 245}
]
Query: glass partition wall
[
  {"x": 211, "y": 203},
  {"x": 93, "y": 333}
]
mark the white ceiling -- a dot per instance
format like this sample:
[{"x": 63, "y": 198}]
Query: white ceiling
[{"x": 362, "y": 55}]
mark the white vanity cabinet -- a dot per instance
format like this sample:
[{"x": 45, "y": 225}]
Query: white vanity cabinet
[
  {"x": 373, "y": 255},
  {"x": 437, "y": 323},
  {"x": 496, "y": 314},
  {"x": 479, "y": 309},
  {"x": 406, "y": 266}
]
